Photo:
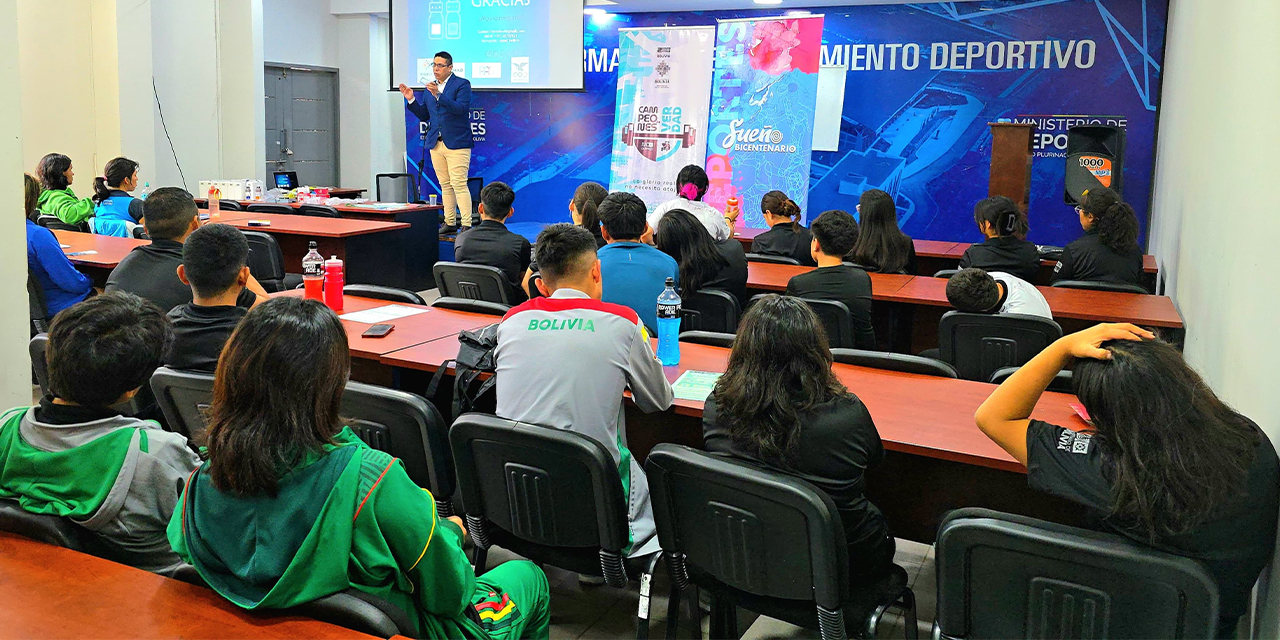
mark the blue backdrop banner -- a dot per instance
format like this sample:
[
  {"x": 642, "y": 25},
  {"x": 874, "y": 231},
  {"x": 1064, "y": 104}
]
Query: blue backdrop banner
[{"x": 923, "y": 82}]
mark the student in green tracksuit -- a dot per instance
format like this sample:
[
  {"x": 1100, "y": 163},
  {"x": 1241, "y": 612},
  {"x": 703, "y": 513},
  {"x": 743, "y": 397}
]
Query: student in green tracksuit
[
  {"x": 58, "y": 199},
  {"x": 291, "y": 506}
]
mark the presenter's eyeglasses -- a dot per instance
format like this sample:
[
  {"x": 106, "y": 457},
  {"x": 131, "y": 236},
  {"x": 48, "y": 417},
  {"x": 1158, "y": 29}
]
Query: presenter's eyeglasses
[{"x": 441, "y": 66}]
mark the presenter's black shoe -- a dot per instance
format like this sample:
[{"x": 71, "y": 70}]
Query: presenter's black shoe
[{"x": 448, "y": 229}]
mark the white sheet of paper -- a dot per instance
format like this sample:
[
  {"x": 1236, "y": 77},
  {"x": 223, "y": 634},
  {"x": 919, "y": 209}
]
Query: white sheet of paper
[{"x": 382, "y": 314}]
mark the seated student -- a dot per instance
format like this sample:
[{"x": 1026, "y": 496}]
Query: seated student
[
  {"x": 1108, "y": 251},
  {"x": 597, "y": 351},
  {"x": 117, "y": 213},
  {"x": 324, "y": 511},
  {"x": 834, "y": 233},
  {"x": 976, "y": 291},
  {"x": 151, "y": 271},
  {"x": 699, "y": 259},
  {"x": 881, "y": 245},
  {"x": 634, "y": 272},
  {"x": 582, "y": 209},
  {"x": 74, "y": 456},
  {"x": 490, "y": 243},
  {"x": 785, "y": 236},
  {"x": 691, "y": 186},
  {"x": 778, "y": 404},
  {"x": 58, "y": 199},
  {"x": 1166, "y": 463},
  {"x": 1000, "y": 221},
  {"x": 214, "y": 265},
  {"x": 59, "y": 280}
]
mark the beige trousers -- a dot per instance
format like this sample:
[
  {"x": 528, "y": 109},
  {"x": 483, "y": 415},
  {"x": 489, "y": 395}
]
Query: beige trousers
[{"x": 451, "y": 167}]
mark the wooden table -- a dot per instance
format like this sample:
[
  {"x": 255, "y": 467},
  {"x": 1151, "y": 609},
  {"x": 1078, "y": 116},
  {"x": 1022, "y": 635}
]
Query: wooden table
[
  {"x": 51, "y": 592},
  {"x": 110, "y": 250}
]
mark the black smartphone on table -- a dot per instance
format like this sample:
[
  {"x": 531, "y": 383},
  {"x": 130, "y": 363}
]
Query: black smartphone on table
[{"x": 378, "y": 330}]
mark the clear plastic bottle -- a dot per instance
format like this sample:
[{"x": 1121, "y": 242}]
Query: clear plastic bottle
[
  {"x": 313, "y": 274},
  {"x": 669, "y": 325},
  {"x": 146, "y": 191}
]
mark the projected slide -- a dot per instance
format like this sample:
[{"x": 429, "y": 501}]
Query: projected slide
[{"x": 496, "y": 44}]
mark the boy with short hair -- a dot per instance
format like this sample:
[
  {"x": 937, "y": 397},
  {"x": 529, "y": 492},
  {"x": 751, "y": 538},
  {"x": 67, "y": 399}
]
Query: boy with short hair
[
  {"x": 73, "y": 455},
  {"x": 490, "y": 243},
  {"x": 635, "y": 273},
  {"x": 834, "y": 234},
  {"x": 215, "y": 266},
  {"x": 976, "y": 291}
]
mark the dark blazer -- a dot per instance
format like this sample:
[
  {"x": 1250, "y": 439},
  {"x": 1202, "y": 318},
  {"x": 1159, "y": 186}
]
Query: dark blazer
[
  {"x": 1007, "y": 254},
  {"x": 447, "y": 117}
]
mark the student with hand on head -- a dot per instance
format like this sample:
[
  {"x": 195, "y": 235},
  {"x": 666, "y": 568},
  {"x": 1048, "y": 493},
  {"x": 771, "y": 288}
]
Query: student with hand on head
[
  {"x": 58, "y": 199},
  {"x": 834, "y": 233},
  {"x": 60, "y": 282},
  {"x": 976, "y": 291},
  {"x": 564, "y": 361},
  {"x": 490, "y": 243},
  {"x": 215, "y": 266},
  {"x": 1108, "y": 251},
  {"x": 1165, "y": 462},
  {"x": 702, "y": 262},
  {"x": 151, "y": 271},
  {"x": 881, "y": 245},
  {"x": 292, "y": 506},
  {"x": 634, "y": 272},
  {"x": 117, "y": 213},
  {"x": 73, "y": 455},
  {"x": 778, "y": 404},
  {"x": 1000, "y": 221},
  {"x": 691, "y": 185},
  {"x": 785, "y": 237}
]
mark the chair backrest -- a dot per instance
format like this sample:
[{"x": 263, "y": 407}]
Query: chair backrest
[
  {"x": 48, "y": 529},
  {"x": 1101, "y": 286},
  {"x": 266, "y": 261},
  {"x": 837, "y": 320},
  {"x": 183, "y": 398},
  {"x": 945, "y": 273},
  {"x": 760, "y": 257},
  {"x": 319, "y": 211},
  {"x": 732, "y": 521},
  {"x": 397, "y": 187},
  {"x": 267, "y": 207},
  {"x": 228, "y": 205},
  {"x": 977, "y": 344},
  {"x": 894, "y": 362},
  {"x": 377, "y": 292},
  {"x": 359, "y": 611},
  {"x": 545, "y": 486},
  {"x": 56, "y": 223},
  {"x": 39, "y": 365},
  {"x": 473, "y": 306},
  {"x": 711, "y": 338},
  {"x": 475, "y": 186},
  {"x": 709, "y": 310},
  {"x": 39, "y": 310},
  {"x": 1063, "y": 382},
  {"x": 474, "y": 281},
  {"x": 1062, "y": 582}
]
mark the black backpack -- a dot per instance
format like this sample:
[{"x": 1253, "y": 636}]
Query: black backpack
[{"x": 476, "y": 356}]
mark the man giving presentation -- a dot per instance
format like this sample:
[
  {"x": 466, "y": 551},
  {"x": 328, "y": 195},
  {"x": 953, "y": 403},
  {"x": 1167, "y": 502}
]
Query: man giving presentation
[{"x": 445, "y": 108}]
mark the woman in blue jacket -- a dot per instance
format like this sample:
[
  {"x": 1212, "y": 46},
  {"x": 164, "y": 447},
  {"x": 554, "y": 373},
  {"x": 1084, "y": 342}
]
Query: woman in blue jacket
[
  {"x": 62, "y": 285},
  {"x": 116, "y": 212}
]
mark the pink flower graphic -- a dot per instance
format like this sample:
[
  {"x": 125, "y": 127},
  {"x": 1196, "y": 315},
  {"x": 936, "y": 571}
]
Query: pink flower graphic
[{"x": 772, "y": 45}]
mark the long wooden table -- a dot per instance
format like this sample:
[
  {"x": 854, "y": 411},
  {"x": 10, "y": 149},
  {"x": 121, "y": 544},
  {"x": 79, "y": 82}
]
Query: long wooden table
[
  {"x": 51, "y": 592},
  {"x": 108, "y": 251}
]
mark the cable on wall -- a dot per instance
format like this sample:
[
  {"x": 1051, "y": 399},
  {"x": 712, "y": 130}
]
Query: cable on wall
[{"x": 166, "y": 134}]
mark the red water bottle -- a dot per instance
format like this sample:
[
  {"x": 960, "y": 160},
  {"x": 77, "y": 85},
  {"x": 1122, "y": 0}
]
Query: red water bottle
[{"x": 333, "y": 283}]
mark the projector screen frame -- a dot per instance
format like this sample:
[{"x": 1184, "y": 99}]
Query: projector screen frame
[{"x": 395, "y": 86}]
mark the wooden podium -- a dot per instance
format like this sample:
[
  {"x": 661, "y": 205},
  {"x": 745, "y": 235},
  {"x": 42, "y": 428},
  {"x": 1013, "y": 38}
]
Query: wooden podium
[{"x": 1011, "y": 162}]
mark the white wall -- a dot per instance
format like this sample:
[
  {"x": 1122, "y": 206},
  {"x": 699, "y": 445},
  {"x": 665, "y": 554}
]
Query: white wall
[
  {"x": 1217, "y": 205},
  {"x": 300, "y": 32},
  {"x": 15, "y": 375}
]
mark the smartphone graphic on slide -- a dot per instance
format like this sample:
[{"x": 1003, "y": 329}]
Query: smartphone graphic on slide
[{"x": 435, "y": 20}]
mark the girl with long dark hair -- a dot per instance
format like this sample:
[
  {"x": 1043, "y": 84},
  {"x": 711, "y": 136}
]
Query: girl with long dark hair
[
  {"x": 881, "y": 245},
  {"x": 779, "y": 404},
  {"x": 1164, "y": 462},
  {"x": 1005, "y": 248},
  {"x": 60, "y": 282},
  {"x": 582, "y": 208},
  {"x": 292, "y": 506},
  {"x": 1108, "y": 251},
  {"x": 56, "y": 175},
  {"x": 117, "y": 213},
  {"x": 703, "y": 263},
  {"x": 786, "y": 237},
  {"x": 692, "y": 184}
]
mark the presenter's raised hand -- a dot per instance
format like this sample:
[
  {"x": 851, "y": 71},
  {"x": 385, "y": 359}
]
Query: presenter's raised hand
[
  {"x": 406, "y": 92},
  {"x": 434, "y": 88}
]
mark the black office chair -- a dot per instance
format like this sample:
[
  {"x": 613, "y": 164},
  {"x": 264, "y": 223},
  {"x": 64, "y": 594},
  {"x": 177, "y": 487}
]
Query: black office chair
[
  {"x": 319, "y": 211},
  {"x": 474, "y": 281},
  {"x": 1062, "y": 382},
  {"x": 1101, "y": 286},
  {"x": 709, "y": 310},
  {"x": 55, "y": 223},
  {"x": 1063, "y": 582},
  {"x": 838, "y": 322},
  {"x": 978, "y": 344},
  {"x": 760, "y": 257},
  {"x": 228, "y": 205},
  {"x": 894, "y": 362},
  {"x": 945, "y": 273},
  {"x": 400, "y": 187},
  {"x": 260, "y": 207},
  {"x": 354, "y": 609},
  {"x": 39, "y": 366},
  {"x": 49, "y": 529},
  {"x": 377, "y": 292},
  {"x": 711, "y": 338},
  {"x": 473, "y": 306},
  {"x": 860, "y": 266},
  {"x": 764, "y": 541},
  {"x": 266, "y": 263},
  {"x": 552, "y": 496},
  {"x": 183, "y": 397},
  {"x": 36, "y": 306}
]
